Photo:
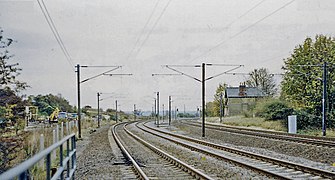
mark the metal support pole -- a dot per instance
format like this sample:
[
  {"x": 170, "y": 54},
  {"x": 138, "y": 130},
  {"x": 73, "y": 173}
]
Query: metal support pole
[
  {"x": 134, "y": 112},
  {"x": 78, "y": 112},
  {"x": 116, "y": 110},
  {"x": 98, "y": 96},
  {"x": 155, "y": 112},
  {"x": 203, "y": 99},
  {"x": 324, "y": 96},
  {"x": 221, "y": 106},
  {"x": 169, "y": 110},
  {"x": 163, "y": 112},
  {"x": 157, "y": 109}
]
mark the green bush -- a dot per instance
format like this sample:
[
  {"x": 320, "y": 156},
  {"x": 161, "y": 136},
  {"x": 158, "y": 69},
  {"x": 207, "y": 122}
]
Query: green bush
[
  {"x": 305, "y": 120},
  {"x": 274, "y": 110}
]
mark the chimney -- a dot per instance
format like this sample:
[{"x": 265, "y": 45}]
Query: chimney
[{"x": 242, "y": 89}]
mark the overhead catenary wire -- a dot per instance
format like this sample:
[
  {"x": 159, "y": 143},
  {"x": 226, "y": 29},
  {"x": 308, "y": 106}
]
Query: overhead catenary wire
[
  {"x": 242, "y": 31},
  {"x": 143, "y": 29},
  {"x": 100, "y": 74},
  {"x": 153, "y": 27},
  {"x": 244, "y": 14},
  {"x": 55, "y": 31}
]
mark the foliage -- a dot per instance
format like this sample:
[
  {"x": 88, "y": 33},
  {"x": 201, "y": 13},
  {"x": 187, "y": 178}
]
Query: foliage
[
  {"x": 306, "y": 120},
  {"x": 213, "y": 108},
  {"x": 209, "y": 109},
  {"x": 9, "y": 71},
  {"x": 186, "y": 115},
  {"x": 274, "y": 110},
  {"x": 301, "y": 85},
  {"x": 47, "y": 103},
  {"x": 12, "y": 106},
  {"x": 262, "y": 79},
  {"x": 220, "y": 90}
]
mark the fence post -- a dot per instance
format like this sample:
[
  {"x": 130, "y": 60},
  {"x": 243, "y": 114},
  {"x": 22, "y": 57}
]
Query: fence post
[
  {"x": 71, "y": 123},
  {"x": 67, "y": 128},
  {"x": 62, "y": 130},
  {"x": 54, "y": 141},
  {"x": 57, "y": 133},
  {"x": 77, "y": 127},
  {"x": 41, "y": 164}
]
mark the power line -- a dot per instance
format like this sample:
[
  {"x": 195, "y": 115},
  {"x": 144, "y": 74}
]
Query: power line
[
  {"x": 153, "y": 27},
  {"x": 243, "y": 30},
  {"x": 55, "y": 31},
  {"x": 244, "y": 14},
  {"x": 142, "y": 32}
]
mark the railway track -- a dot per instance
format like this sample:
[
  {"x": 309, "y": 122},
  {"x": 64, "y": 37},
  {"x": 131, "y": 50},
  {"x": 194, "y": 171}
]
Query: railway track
[
  {"x": 311, "y": 140},
  {"x": 148, "y": 161},
  {"x": 270, "y": 166}
]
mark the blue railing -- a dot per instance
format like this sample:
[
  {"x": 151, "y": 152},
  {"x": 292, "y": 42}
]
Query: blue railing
[{"x": 66, "y": 163}]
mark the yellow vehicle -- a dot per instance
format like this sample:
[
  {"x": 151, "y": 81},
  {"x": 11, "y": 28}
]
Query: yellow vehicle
[{"x": 53, "y": 118}]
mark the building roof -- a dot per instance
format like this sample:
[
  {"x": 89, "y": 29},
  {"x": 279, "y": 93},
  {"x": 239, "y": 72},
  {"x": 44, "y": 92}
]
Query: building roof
[{"x": 248, "y": 92}]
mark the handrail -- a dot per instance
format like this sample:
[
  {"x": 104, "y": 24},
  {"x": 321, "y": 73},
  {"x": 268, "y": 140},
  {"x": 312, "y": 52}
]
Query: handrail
[{"x": 21, "y": 169}]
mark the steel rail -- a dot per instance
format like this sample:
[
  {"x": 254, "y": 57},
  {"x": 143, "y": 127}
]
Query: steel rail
[
  {"x": 299, "y": 167},
  {"x": 319, "y": 141},
  {"x": 127, "y": 154},
  {"x": 178, "y": 163}
]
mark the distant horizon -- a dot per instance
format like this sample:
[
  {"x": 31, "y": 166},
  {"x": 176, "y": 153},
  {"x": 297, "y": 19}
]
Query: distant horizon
[{"x": 143, "y": 37}]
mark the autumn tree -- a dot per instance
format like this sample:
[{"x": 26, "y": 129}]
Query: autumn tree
[
  {"x": 47, "y": 103},
  {"x": 220, "y": 90},
  {"x": 262, "y": 79},
  {"x": 9, "y": 70},
  {"x": 302, "y": 81},
  {"x": 9, "y": 85}
]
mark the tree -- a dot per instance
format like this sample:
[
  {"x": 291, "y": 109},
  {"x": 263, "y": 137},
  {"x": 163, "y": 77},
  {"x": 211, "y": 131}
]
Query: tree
[
  {"x": 9, "y": 71},
  {"x": 262, "y": 79},
  {"x": 12, "y": 104},
  {"x": 47, "y": 103},
  {"x": 220, "y": 90},
  {"x": 302, "y": 85}
]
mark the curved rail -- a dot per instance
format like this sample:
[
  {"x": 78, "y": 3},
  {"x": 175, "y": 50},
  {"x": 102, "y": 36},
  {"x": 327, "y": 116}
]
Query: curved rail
[
  {"x": 319, "y": 141},
  {"x": 298, "y": 167},
  {"x": 128, "y": 156},
  {"x": 187, "y": 168}
]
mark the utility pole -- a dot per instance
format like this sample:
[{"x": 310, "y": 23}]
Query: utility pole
[
  {"x": 184, "y": 110},
  {"x": 134, "y": 112},
  {"x": 221, "y": 106},
  {"x": 98, "y": 96},
  {"x": 203, "y": 99},
  {"x": 116, "y": 111},
  {"x": 93, "y": 77},
  {"x": 169, "y": 110},
  {"x": 324, "y": 96},
  {"x": 155, "y": 112},
  {"x": 202, "y": 81},
  {"x": 157, "y": 109},
  {"x": 78, "y": 112},
  {"x": 163, "y": 112},
  {"x": 175, "y": 113}
]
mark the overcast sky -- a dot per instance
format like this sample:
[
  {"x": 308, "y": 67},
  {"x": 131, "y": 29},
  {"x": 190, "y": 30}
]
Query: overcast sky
[{"x": 254, "y": 33}]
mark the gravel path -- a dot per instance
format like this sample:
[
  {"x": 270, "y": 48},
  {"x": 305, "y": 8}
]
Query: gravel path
[{"x": 96, "y": 158}]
